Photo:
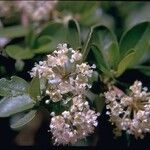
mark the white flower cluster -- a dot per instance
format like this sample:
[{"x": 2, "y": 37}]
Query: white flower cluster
[
  {"x": 75, "y": 124},
  {"x": 35, "y": 10},
  {"x": 131, "y": 112},
  {"x": 64, "y": 72},
  {"x": 67, "y": 78}
]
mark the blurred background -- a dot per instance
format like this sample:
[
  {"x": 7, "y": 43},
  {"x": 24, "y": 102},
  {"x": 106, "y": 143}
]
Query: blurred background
[{"x": 119, "y": 16}]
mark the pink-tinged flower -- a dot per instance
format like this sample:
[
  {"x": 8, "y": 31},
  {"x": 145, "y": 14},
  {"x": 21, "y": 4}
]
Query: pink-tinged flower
[
  {"x": 64, "y": 72},
  {"x": 131, "y": 112},
  {"x": 75, "y": 124}
]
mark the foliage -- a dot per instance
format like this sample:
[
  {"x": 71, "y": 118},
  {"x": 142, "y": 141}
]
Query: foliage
[{"x": 83, "y": 27}]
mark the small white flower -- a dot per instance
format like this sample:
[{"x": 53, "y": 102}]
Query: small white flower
[
  {"x": 52, "y": 114},
  {"x": 64, "y": 75},
  {"x": 47, "y": 101},
  {"x": 130, "y": 112},
  {"x": 78, "y": 126}
]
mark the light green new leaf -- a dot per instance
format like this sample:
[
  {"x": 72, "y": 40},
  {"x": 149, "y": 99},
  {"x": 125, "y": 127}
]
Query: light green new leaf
[
  {"x": 13, "y": 87},
  {"x": 13, "y": 31},
  {"x": 136, "y": 38},
  {"x": 113, "y": 55},
  {"x": 34, "y": 88},
  {"x": 18, "y": 121},
  {"x": 13, "y": 105},
  {"x": 124, "y": 63},
  {"x": 17, "y": 52}
]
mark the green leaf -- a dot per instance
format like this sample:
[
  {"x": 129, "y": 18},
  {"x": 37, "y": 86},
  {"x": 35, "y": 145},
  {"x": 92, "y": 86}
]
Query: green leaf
[
  {"x": 43, "y": 83},
  {"x": 31, "y": 39},
  {"x": 100, "y": 62},
  {"x": 13, "y": 105},
  {"x": 13, "y": 87},
  {"x": 18, "y": 121},
  {"x": 144, "y": 69},
  {"x": 68, "y": 32},
  {"x": 73, "y": 33},
  {"x": 17, "y": 52},
  {"x": 98, "y": 101},
  {"x": 136, "y": 38},
  {"x": 113, "y": 55},
  {"x": 58, "y": 33},
  {"x": 103, "y": 38},
  {"x": 124, "y": 63},
  {"x": 34, "y": 88},
  {"x": 44, "y": 40},
  {"x": 13, "y": 32},
  {"x": 45, "y": 48},
  {"x": 43, "y": 45}
]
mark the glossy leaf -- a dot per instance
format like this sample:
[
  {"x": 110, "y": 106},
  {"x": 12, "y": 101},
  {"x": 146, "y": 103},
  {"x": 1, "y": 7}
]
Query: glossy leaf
[
  {"x": 13, "y": 87},
  {"x": 103, "y": 38},
  {"x": 19, "y": 121},
  {"x": 136, "y": 38},
  {"x": 99, "y": 58},
  {"x": 73, "y": 33},
  {"x": 13, "y": 105},
  {"x": 124, "y": 63}
]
